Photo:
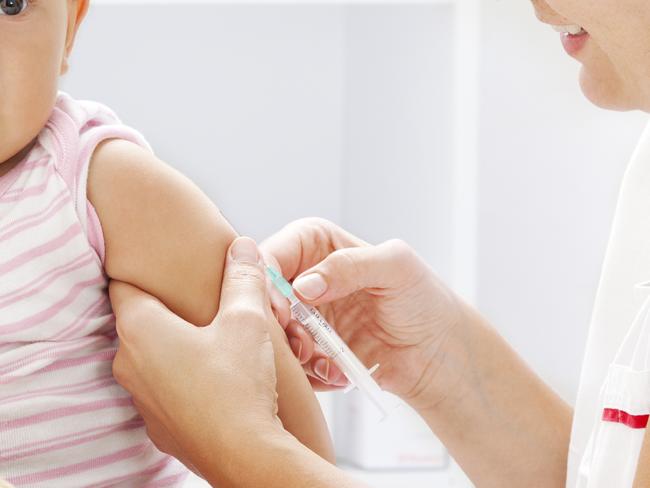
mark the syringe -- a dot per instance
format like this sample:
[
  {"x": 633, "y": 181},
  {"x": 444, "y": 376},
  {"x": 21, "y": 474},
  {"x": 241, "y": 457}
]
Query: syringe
[{"x": 330, "y": 342}]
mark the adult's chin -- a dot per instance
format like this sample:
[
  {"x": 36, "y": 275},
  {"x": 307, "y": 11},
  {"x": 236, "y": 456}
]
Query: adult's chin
[{"x": 606, "y": 91}]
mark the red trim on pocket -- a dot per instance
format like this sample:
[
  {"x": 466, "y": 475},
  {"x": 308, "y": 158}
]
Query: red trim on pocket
[{"x": 621, "y": 417}]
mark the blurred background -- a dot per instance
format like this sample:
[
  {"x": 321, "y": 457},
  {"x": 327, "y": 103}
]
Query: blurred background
[{"x": 457, "y": 125}]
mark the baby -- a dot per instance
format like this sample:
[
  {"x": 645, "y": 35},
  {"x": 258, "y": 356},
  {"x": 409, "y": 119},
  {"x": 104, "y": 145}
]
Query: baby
[{"x": 83, "y": 201}]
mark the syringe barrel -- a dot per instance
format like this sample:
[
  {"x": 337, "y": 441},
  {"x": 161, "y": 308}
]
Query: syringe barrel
[
  {"x": 330, "y": 342},
  {"x": 317, "y": 326}
]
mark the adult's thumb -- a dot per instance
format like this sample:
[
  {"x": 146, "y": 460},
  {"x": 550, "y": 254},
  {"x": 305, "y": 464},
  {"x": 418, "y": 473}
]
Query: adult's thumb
[{"x": 244, "y": 281}]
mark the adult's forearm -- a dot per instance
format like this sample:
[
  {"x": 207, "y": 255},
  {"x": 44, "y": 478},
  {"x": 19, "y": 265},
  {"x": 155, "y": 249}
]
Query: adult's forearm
[
  {"x": 502, "y": 424},
  {"x": 273, "y": 461}
]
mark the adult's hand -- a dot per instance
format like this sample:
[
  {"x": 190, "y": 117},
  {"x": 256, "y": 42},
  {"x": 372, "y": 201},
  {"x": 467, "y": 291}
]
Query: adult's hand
[
  {"x": 384, "y": 301},
  {"x": 207, "y": 395},
  {"x": 434, "y": 351}
]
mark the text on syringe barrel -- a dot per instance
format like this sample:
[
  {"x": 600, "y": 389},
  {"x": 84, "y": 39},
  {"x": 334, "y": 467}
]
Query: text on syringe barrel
[{"x": 318, "y": 327}]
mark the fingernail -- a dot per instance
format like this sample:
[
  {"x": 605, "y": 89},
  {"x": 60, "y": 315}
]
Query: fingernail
[
  {"x": 296, "y": 346},
  {"x": 338, "y": 379},
  {"x": 322, "y": 369},
  {"x": 244, "y": 250},
  {"x": 311, "y": 286}
]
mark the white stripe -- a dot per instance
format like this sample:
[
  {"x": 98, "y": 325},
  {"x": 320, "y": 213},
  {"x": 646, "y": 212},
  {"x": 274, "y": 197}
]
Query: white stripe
[{"x": 28, "y": 357}]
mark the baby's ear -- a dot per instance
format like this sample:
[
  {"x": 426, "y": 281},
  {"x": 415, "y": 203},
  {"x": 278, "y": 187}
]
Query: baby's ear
[{"x": 77, "y": 10}]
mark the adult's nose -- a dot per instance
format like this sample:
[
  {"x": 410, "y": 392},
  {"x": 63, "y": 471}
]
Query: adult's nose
[{"x": 546, "y": 14}]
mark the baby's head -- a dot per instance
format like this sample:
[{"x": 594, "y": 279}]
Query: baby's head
[{"x": 36, "y": 38}]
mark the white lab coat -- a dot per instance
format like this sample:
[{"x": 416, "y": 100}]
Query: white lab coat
[{"x": 604, "y": 453}]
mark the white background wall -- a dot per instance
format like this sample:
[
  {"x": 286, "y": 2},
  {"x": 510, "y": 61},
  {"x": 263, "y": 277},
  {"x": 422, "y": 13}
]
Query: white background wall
[
  {"x": 347, "y": 112},
  {"x": 397, "y": 134},
  {"x": 550, "y": 165},
  {"x": 246, "y": 100}
]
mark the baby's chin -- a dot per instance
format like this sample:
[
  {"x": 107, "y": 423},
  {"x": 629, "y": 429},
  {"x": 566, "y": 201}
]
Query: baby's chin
[
  {"x": 10, "y": 149},
  {"x": 14, "y": 145},
  {"x": 21, "y": 123}
]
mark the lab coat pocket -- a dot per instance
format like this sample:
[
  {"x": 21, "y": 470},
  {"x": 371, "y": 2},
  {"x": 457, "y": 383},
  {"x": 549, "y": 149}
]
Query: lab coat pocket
[{"x": 613, "y": 451}]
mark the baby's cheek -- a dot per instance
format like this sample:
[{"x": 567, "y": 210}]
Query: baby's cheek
[
  {"x": 25, "y": 107},
  {"x": 29, "y": 83}
]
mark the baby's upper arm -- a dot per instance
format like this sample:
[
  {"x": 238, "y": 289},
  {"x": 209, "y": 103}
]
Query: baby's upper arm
[{"x": 162, "y": 234}]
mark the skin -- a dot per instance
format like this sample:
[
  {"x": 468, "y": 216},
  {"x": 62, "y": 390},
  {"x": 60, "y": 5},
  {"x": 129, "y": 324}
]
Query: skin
[
  {"x": 615, "y": 62},
  {"x": 454, "y": 368},
  {"x": 146, "y": 209},
  {"x": 41, "y": 41},
  {"x": 183, "y": 424},
  {"x": 442, "y": 357},
  {"x": 436, "y": 352}
]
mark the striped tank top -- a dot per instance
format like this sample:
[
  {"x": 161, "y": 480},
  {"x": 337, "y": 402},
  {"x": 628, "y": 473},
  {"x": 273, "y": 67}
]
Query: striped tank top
[{"x": 64, "y": 421}]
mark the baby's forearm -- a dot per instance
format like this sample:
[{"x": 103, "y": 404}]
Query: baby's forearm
[{"x": 298, "y": 408}]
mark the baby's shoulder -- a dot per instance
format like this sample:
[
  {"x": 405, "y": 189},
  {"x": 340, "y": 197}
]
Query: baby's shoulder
[
  {"x": 73, "y": 132},
  {"x": 84, "y": 114},
  {"x": 76, "y": 127}
]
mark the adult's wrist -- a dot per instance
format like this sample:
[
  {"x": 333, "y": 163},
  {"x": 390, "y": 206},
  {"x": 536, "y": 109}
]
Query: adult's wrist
[
  {"x": 272, "y": 458},
  {"x": 239, "y": 458},
  {"x": 445, "y": 361},
  {"x": 509, "y": 408}
]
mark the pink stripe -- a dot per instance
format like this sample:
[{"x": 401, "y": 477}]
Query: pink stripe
[
  {"x": 83, "y": 320},
  {"x": 93, "y": 430},
  {"x": 10, "y": 179},
  {"x": 22, "y": 194},
  {"x": 71, "y": 232},
  {"x": 159, "y": 466},
  {"x": 44, "y": 276},
  {"x": 77, "y": 468},
  {"x": 95, "y": 233},
  {"x": 87, "y": 151},
  {"x": 52, "y": 351},
  {"x": 167, "y": 481},
  {"x": 65, "y": 412},
  {"x": 29, "y": 165},
  {"x": 67, "y": 441},
  {"x": 51, "y": 212},
  {"x": 18, "y": 191},
  {"x": 69, "y": 389},
  {"x": 21, "y": 220},
  {"x": 52, "y": 311},
  {"x": 98, "y": 357},
  {"x": 45, "y": 280},
  {"x": 86, "y": 317},
  {"x": 36, "y": 163}
]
